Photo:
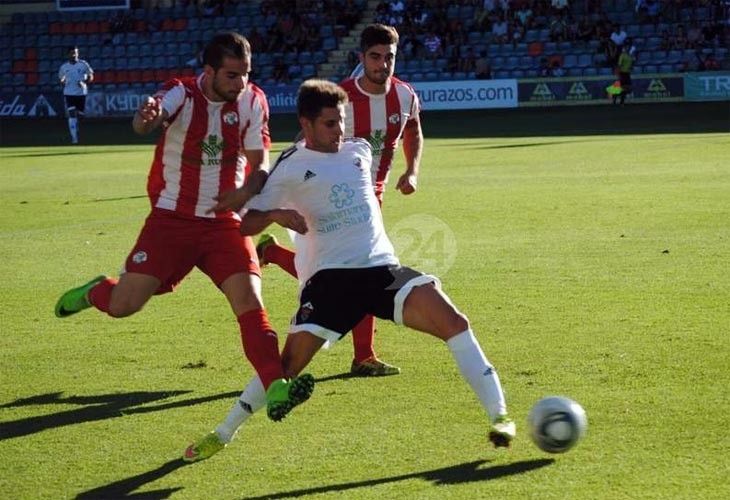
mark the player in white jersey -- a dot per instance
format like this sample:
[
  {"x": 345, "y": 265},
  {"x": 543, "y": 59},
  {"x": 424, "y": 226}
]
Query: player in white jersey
[
  {"x": 213, "y": 125},
  {"x": 75, "y": 75},
  {"x": 383, "y": 110},
  {"x": 322, "y": 189}
]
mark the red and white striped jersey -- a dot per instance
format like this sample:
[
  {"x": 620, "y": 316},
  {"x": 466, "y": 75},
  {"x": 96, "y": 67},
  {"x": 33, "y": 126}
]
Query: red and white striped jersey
[
  {"x": 380, "y": 118},
  {"x": 201, "y": 151}
]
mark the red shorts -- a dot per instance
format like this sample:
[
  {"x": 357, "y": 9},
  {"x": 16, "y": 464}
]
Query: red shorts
[{"x": 169, "y": 247}]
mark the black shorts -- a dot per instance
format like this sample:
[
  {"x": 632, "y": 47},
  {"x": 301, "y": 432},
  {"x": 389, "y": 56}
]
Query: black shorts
[
  {"x": 333, "y": 301},
  {"x": 76, "y": 101},
  {"x": 624, "y": 79}
]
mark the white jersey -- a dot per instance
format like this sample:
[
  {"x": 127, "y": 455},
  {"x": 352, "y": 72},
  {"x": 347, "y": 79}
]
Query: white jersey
[
  {"x": 334, "y": 193},
  {"x": 76, "y": 75}
]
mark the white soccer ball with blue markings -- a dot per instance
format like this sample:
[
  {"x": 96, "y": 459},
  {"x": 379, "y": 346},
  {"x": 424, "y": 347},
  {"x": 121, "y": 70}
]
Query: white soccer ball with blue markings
[{"x": 556, "y": 424}]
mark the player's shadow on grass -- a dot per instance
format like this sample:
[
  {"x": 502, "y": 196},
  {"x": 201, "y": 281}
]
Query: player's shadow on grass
[
  {"x": 125, "y": 487},
  {"x": 33, "y": 154},
  {"x": 457, "y": 474},
  {"x": 94, "y": 408}
]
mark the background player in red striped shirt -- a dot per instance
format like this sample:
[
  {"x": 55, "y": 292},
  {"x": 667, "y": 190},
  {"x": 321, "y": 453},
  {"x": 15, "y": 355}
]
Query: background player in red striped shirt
[
  {"x": 383, "y": 110},
  {"x": 212, "y": 126}
]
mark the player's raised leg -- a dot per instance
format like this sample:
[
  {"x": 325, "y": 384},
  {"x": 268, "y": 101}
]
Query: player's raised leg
[
  {"x": 298, "y": 351},
  {"x": 116, "y": 298},
  {"x": 428, "y": 309}
]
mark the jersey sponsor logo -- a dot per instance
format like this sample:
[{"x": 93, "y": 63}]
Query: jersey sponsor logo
[
  {"x": 376, "y": 140},
  {"x": 308, "y": 175},
  {"x": 230, "y": 118},
  {"x": 305, "y": 311},
  {"x": 139, "y": 257},
  {"x": 341, "y": 195},
  {"x": 394, "y": 118},
  {"x": 212, "y": 147}
]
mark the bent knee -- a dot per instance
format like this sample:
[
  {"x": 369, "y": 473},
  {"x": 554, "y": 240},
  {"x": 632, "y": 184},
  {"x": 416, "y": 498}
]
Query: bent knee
[
  {"x": 123, "y": 308},
  {"x": 457, "y": 323}
]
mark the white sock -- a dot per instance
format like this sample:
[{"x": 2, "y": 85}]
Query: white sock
[
  {"x": 73, "y": 128},
  {"x": 252, "y": 399},
  {"x": 479, "y": 372}
]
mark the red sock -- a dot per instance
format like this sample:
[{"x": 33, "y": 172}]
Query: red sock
[
  {"x": 261, "y": 345},
  {"x": 282, "y": 257},
  {"x": 362, "y": 339},
  {"x": 101, "y": 294}
]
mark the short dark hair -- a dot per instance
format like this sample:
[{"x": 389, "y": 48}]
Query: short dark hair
[
  {"x": 71, "y": 48},
  {"x": 227, "y": 44},
  {"x": 378, "y": 34},
  {"x": 315, "y": 94}
]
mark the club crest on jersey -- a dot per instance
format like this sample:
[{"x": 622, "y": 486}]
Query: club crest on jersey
[
  {"x": 230, "y": 118},
  {"x": 305, "y": 311},
  {"x": 394, "y": 119},
  {"x": 139, "y": 257}
]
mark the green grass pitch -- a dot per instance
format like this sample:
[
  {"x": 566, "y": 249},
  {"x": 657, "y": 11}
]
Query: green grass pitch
[{"x": 595, "y": 267}]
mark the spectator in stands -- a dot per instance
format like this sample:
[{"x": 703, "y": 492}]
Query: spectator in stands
[
  {"x": 708, "y": 63},
  {"x": 560, "y": 8},
  {"x": 74, "y": 75},
  {"x": 257, "y": 41},
  {"x": 434, "y": 48},
  {"x": 482, "y": 68},
  {"x": 544, "y": 69},
  {"x": 280, "y": 73},
  {"x": 680, "y": 38},
  {"x": 556, "y": 68},
  {"x": 558, "y": 29},
  {"x": 467, "y": 59},
  {"x": 586, "y": 31},
  {"x": 500, "y": 30},
  {"x": 524, "y": 16},
  {"x": 517, "y": 32},
  {"x": 616, "y": 39},
  {"x": 653, "y": 9}
]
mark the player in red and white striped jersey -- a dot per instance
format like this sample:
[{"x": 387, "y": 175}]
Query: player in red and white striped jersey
[
  {"x": 213, "y": 126},
  {"x": 383, "y": 110}
]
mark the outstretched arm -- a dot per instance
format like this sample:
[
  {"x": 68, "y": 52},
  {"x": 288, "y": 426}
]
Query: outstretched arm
[
  {"x": 148, "y": 116},
  {"x": 412, "y": 148},
  {"x": 258, "y": 160},
  {"x": 255, "y": 221}
]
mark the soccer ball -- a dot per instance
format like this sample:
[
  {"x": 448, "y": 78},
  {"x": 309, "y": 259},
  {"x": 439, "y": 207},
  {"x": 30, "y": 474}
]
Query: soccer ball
[{"x": 556, "y": 424}]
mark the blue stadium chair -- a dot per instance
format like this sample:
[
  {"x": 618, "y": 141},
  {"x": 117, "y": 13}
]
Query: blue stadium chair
[
  {"x": 650, "y": 68},
  {"x": 418, "y": 76},
  {"x": 570, "y": 61},
  {"x": 320, "y": 57},
  {"x": 290, "y": 58},
  {"x": 518, "y": 73},
  {"x": 145, "y": 50},
  {"x": 172, "y": 61},
  {"x": 458, "y": 75},
  {"x": 590, "y": 72},
  {"x": 574, "y": 71},
  {"x": 498, "y": 62},
  {"x": 172, "y": 48},
  {"x": 565, "y": 47},
  {"x": 158, "y": 49},
  {"x": 512, "y": 62},
  {"x": 528, "y": 62},
  {"x": 329, "y": 43},
  {"x": 584, "y": 60},
  {"x": 134, "y": 63},
  {"x": 550, "y": 47},
  {"x": 666, "y": 68},
  {"x": 120, "y": 50},
  {"x": 501, "y": 74},
  {"x": 413, "y": 65},
  {"x": 309, "y": 70},
  {"x": 674, "y": 57},
  {"x": 305, "y": 57}
]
